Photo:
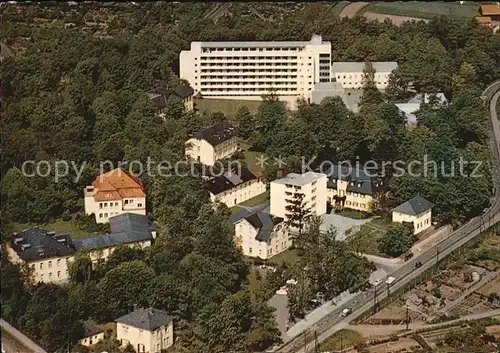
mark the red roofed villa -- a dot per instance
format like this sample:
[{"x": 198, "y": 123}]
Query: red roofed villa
[{"x": 114, "y": 193}]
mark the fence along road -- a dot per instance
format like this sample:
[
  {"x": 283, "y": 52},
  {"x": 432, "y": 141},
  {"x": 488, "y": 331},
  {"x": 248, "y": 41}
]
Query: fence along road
[{"x": 367, "y": 300}]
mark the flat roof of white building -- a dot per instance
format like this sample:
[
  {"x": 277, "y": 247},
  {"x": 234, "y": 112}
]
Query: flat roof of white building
[
  {"x": 315, "y": 40},
  {"x": 379, "y": 66},
  {"x": 299, "y": 179}
]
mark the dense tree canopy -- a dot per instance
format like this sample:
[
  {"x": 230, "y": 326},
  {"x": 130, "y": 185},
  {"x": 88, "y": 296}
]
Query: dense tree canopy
[{"x": 80, "y": 95}]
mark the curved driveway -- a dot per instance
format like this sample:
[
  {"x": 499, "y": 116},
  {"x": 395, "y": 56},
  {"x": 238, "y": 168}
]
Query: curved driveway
[{"x": 365, "y": 301}]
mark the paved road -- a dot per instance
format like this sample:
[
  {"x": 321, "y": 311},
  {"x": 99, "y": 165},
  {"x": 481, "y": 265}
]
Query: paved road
[{"x": 331, "y": 322}]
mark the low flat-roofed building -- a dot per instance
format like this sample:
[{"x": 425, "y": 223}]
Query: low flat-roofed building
[
  {"x": 350, "y": 74},
  {"x": 351, "y": 97}
]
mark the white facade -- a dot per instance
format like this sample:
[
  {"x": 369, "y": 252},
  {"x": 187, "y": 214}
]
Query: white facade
[
  {"x": 240, "y": 193},
  {"x": 202, "y": 151},
  {"x": 312, "y": 185},
  {"x": 350, "y": 74},
  {"x": 91, "y": 340},
  {"x": 420, "y": 222},
  {"x": 246, "y": 239},
  {"x": 47, "y": 270},
  {"x": 248, "y": 70},
  {"x": 104, "y": 210},
  {"x": 145, "y": 341}
]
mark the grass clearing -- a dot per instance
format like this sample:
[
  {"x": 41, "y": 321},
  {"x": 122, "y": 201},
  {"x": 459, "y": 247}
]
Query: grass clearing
[
  {"x": 366, "y": 239},
  {"x": 425, "y": 10},
  {"x": 59, "y": 226},
  {"x": 250, "y": 158},
  {"x": 228, "y": 107},
  {"x": 346, "y": 212},
  {"x": 289, "y": 256},
  {"x": 341, "y": 340}
]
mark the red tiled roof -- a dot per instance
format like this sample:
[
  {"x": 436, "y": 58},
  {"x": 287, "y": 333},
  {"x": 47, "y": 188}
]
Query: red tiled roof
[
  {"x": 487, "y": 10},
  {"x": 117, "y": 184}
]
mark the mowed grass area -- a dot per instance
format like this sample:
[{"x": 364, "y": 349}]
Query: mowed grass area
[
  {"x": 250, "y": 157},
  {"x": 425, "y": 10},
  {"x": 338, "y": 7},
  {"x": 229, "y": 107},
  {"x": 369, "y": 234},
  {"x": 59, "y": 226},
  {"x": 340, "y": 340},
  {"x": 289, "y": 256}
]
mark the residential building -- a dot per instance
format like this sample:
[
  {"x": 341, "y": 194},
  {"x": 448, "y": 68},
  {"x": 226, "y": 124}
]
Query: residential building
[
  {"x": 350, "y": 74},
  {"x": 285, "y": 191},
  {"x": 353, "y": 188},
  {"x": 417, "y": 211},
  {"x": 248, "y": 70},
  {"x": 262, "y": 235},
  {"x": 114, "y": 193},
  {"x": 160, "y": 98},
  {"x": 216, "y": 142},
  {"x": 45, "y": 253},
  {"x": 126, "y": 229},
  {"x": 92, "y": 334},
  {"x": 235, "y": 186},
  {"x": 147, "y": 330},
  {"x": 350, "y": 96},
  {"x": 490, "y": 16},
  {"x": 48, "y": 255}
]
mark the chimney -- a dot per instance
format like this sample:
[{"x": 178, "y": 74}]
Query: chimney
[{"x": 280, "y": 173}]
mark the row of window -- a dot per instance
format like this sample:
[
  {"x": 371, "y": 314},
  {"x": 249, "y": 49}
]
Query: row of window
[
  {"x": 356, "y": 204},
  {"x": 241, "y": 71},
  {"x": 350, "y": 83},
  {"x": 240, "y": 64},
  {"x": 255, "y": 77},
  {"x": 355, "y": 194},
  {"x": 211, "y": 50},
  {"x": 50, "y": 275},
  {"x": 105, "y": 204},
  {"x": 111, "y": 214},
  {"x": 249, "y": 58},
  {"x": 421, "y": 224},
  {"x": 58, "y": 263},
  {"x": 250, "y": 84}
]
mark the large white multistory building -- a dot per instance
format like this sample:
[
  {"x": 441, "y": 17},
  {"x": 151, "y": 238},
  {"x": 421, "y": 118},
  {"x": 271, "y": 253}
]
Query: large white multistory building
[{"x": 248, "y": 70}]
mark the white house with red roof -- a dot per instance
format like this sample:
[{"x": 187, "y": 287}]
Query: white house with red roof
[{"x": 114, "y": 193}]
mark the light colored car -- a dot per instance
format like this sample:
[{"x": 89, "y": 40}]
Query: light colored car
[
  {"x": 291, "y": 281},
  {"x": 390, "y": 279},
  {"x": 345, "y": 312}
]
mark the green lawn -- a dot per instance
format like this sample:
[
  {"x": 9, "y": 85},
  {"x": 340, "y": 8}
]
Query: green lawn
[
  {"x": 59, "y": 226},
  {"x": 340, "y": 340},
  {"x": 346, "y": 212},
  {"x": 424, "y": 9},
  {"x": 250, "y": 157},
  {"x": 366, "y": 240},
  {"x": 290, "y": 256},
  {"x": 338, "y": 7},
  {"x": 228, "y": 107}
]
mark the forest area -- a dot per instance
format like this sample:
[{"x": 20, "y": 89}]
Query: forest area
[{"x": 77, "y": 95}]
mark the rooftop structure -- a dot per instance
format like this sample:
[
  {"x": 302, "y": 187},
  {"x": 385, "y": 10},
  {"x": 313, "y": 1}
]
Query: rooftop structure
[
  {"x": 127, "y": 228},
  {"x": 359, "y": 180},
  {"x": 230, "y": 180},
  {"x": 414, "y": 206},
  {"x": 36, "y": 244},
  {"x": 216, "y": 134},
  {"x": 264, "y": 222},
  {"x": 299, "y": 179},
  {"x": 490, "y": 10},
  {"x": 147, "y": 319}
]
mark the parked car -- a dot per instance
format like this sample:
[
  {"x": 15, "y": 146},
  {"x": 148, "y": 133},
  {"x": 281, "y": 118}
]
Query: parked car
[
  {"x": 418, "y": 264},
  {"x": 345, "y": 312},
  {"x": 282, "y": 291}
]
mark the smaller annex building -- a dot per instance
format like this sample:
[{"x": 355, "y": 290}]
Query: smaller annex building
[{"x": 417, "y": 211}]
